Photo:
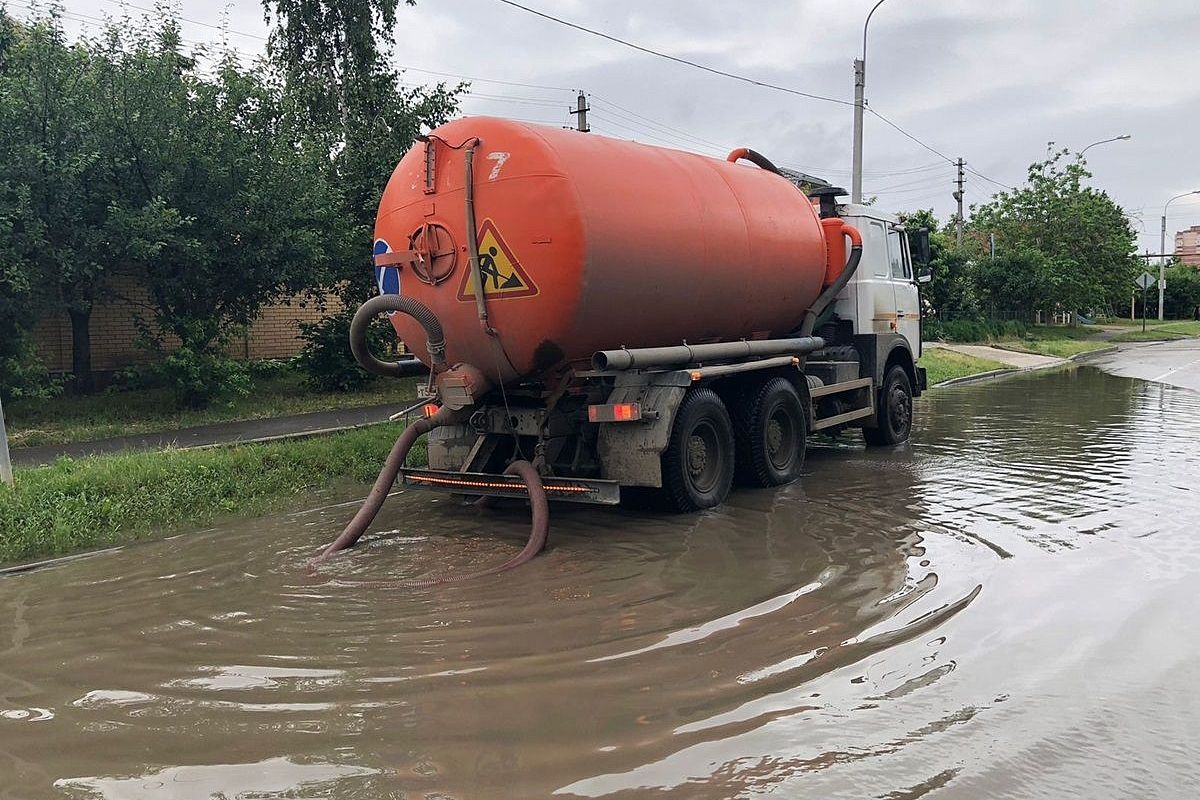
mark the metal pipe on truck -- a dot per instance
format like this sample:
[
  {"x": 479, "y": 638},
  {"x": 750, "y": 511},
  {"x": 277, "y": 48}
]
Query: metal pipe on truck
[{"x": 685, "y": 354}]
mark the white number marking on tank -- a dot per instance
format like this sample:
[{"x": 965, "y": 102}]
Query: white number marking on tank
[{"x": 499, "y": 158}]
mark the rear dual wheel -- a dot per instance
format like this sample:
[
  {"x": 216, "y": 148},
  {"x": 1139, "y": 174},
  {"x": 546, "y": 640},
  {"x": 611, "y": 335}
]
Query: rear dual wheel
[{"x": 770, "y": 428}]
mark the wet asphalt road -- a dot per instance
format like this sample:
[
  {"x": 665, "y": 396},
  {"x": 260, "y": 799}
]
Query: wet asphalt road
[
  {"x": 1174, "y": 363},
  {"x": 1004, "y": 608}
]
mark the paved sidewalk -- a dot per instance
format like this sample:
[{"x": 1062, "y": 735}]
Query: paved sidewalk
[
  {"x": 1010, "y": 357},
  {"x": 217, "y": 433}
]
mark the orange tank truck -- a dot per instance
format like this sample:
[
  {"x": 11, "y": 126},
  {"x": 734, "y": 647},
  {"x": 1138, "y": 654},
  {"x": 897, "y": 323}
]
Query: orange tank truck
[
  {"x": 598, "y": 315},
  {"x": 588, "y": 242}
]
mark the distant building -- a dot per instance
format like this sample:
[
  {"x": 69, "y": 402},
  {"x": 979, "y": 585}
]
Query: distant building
[{"x": 1187, "y": 246}]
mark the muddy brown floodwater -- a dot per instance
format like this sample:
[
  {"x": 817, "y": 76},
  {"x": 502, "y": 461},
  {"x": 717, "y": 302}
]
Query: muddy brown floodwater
[{"x": 1006, "y": 608}]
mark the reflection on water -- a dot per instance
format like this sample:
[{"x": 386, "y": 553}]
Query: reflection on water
[{"x": 999, "y": 609}]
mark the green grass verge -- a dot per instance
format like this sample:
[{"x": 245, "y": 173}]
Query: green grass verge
[
  {"x": 1162, "y": 332},
  {"x": 1058, "y": 347},
  {"x": 81, "y": 418},
  {"x": 942, "y": 365},
  {"x": 73, "y": 505}
]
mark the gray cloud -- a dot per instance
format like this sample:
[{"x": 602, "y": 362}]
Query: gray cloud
[{"x": 991, "y": 82}]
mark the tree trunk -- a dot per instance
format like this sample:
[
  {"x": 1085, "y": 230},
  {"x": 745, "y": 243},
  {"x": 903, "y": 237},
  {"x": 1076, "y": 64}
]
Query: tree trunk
[{"x": 81, "y": 348}]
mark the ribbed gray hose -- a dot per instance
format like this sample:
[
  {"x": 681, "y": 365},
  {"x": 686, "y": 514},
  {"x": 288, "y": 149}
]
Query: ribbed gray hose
[
  {"x": 405, "y": 366},
  {"x": 828, "y": 296}
]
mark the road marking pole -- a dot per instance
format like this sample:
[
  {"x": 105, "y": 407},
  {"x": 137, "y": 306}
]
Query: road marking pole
[{"x": 5, "y": 461}]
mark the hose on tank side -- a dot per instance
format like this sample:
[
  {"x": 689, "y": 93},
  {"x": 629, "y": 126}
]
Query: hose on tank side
[
  {"x": 436, "y": 339},
  {"x": 826, "y": 297}
]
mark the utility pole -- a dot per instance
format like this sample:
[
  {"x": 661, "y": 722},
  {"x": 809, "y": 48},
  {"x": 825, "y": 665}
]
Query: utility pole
[
  {"x": 6, "y": 475},
  {"x": 580, "y": 112},
  {"x": 958, "y": 195},
  {"x": 860, "y": 83},
  {"x": 1162, "y": 269}
]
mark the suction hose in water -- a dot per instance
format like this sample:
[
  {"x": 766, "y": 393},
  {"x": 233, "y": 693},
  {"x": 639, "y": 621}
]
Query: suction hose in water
[{"x": 539, "y": 531}]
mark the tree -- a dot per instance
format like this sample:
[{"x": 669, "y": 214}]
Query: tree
[
  {"x": 333, "y": 55},
  {"x": 950, "y": 293},
  {"x": 226, "y": 201},
  {"x": 1085, "y": 241},
  {"x": 55, "y": 176},
  {"x": 1183, "y": 291}
]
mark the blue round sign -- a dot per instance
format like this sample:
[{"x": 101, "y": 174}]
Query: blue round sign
[{"x": 386, "y": 278}]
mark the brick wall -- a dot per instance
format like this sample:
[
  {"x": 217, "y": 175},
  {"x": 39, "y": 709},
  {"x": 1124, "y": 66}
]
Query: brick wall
[{"x": 275, "y": 334}]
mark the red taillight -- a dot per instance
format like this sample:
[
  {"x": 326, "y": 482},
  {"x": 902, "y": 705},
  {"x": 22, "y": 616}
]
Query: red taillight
[
  {"x": 615, "y": 412},
  {"x": 429, "y": 409}
]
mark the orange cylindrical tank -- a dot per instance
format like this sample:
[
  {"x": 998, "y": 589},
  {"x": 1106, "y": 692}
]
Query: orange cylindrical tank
[{"x": 589, "y": 243}]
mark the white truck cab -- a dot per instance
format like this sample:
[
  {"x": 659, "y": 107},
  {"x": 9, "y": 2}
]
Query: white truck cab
[{"x": 881, "y": 297}]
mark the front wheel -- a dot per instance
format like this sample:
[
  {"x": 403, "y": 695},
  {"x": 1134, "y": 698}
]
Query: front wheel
[
  {"x": 895, "y": 412},
  {"x": 698, "y": 464}
]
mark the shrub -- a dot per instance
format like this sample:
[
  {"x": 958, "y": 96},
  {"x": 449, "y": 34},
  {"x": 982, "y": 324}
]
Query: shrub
[
  {"x": 974, "y": 330},
  {"x": 22, "y": 374},
  {"x": 197, "y": 378},
  {"x": 326, "y": 357}
]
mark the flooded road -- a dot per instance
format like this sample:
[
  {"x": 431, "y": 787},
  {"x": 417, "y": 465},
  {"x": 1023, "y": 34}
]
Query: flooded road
[{"x": 1006, "y": 608}]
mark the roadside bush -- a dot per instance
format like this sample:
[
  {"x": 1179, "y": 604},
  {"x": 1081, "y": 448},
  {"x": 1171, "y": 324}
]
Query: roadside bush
[
  {"x": 326, "y": 358},
  {"x": 973, "y": 330},
  {"x": 22, "y": 375},
  {"x": 198, "y": 378}
]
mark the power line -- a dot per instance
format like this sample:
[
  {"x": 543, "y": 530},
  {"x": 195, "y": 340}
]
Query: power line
[
  {"x": 474, "y": 79},
  {"x": 676, "y": 59}
]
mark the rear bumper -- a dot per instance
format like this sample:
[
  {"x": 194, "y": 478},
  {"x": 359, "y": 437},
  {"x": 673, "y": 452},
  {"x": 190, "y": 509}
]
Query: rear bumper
[{"x": 573, "y": 490}]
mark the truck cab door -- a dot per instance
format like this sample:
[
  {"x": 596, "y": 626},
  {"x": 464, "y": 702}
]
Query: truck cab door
[
  {"x": 908, "y": 302},
  {"x": 876, "y": 293}
]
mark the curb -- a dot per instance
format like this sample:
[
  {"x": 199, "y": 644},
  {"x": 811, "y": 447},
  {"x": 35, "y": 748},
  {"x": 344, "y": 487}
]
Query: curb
[
  {"x": 979, "y": 377},
  {"x": 282, "y": 437}
]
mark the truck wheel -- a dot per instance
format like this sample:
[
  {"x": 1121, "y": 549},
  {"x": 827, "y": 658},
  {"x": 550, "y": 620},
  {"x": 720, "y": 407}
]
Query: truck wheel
[
  {"x": 895, "y": 410},
  {"x": 769, "y": 428},
  {"x": 697, "y": 466}
]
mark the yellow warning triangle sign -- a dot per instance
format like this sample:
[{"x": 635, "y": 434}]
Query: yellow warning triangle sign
[{"x": 499, "y": 269}]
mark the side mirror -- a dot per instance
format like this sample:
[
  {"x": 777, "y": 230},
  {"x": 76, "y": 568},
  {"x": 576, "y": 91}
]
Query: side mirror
[{"x": 918, "y": 245}]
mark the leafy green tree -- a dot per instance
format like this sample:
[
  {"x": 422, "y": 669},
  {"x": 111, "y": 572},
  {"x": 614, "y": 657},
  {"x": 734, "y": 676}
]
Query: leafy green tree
[
  {"x": 1084, "y": 238},
  {"x": 334, "y": 57},
  {"x": 950, "y": 293},
  {"x": 226, "y": 201},
  {"x": 1182, "y": 296},
  {"x": 55, "y": 176}
]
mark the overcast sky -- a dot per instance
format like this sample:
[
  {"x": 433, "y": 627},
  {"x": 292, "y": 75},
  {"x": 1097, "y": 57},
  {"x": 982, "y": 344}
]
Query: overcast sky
[{"x": 989, "y": 80}]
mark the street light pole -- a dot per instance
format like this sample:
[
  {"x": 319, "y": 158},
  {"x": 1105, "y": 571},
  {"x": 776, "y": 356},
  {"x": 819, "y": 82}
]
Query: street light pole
[
  {"x": 1122, "y": 138},
  {"x": 1162, "y": 249},
  {"x": 860, "y": 84}
]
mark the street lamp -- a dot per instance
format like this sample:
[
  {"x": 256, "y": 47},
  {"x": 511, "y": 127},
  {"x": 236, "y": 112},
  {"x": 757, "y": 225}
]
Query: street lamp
[
  {"x": 860, "y": 83},
  {"x": 1162, "y": 251},
  {"x": 1122, "y": 138}
]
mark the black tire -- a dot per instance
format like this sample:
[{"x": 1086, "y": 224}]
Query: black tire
[
  {"x": 894, "y": 412},
  {"x": 698, "y": 464},
  {"x": 769, "y": 429}
]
